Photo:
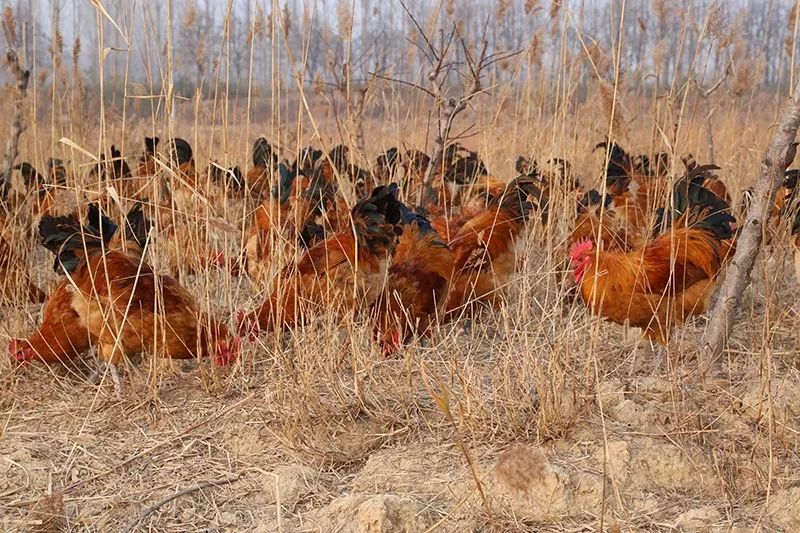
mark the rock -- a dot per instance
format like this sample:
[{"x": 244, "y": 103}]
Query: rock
[
  {"x": 784, "y": 508},
  {"x": 381, "y": 513},
  {"x": 587, "y": 493},
  {"x": 699, "y": 519},
  {"x": 422, "y": 469},
  {"x": 289, "y": 484},
  {"x": 617, "y": 460},
  {"x": 785, "y": 400},
  {"x": 671, "y": 468},
  {"x": 610, "y": 392},
  {"x": 631, "y": 413},
  {"x": 652, "y": 387}
]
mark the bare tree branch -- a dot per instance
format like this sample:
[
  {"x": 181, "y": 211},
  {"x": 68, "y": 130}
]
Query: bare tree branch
[
  {"x": 779, "y": 155},
  {"x": 403, "y": 82}
]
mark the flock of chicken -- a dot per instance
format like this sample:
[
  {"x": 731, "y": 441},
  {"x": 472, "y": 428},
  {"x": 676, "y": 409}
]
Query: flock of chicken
[{"x": 637, "y": 258}]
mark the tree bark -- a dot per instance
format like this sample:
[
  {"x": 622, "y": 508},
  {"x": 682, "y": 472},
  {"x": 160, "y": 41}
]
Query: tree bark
[
  {"x": 748, "y": 244},
  {"x": 21, "y": 77}
]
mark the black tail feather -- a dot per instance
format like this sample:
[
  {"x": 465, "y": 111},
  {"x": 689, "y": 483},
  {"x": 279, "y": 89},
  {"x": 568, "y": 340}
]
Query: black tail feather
[{"x": 69, "y": 241}]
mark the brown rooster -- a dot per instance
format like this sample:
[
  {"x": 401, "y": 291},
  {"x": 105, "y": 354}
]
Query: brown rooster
[
  {"x": 419, "y": 279},
  {"x": 673, "y": 277},
  {"x": 61, "y": 335}
]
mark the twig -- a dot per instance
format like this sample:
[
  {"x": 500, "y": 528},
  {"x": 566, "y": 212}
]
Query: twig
[
  {"x": 704, "y": 94},
  {"x": 189, "y": 490}
]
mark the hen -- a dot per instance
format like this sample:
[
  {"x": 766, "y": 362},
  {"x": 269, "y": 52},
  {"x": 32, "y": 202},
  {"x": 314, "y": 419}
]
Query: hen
[
  {"x": 259, "y": 175},
  {"x": 280, "y": 222},
  {"x": 147, "y": 162},
  {"x": 484, "y": 249},
  {"x": 126, "y": 307},
  {"x": 61, "y": 335},
  {"x": 347, "y": 270}
]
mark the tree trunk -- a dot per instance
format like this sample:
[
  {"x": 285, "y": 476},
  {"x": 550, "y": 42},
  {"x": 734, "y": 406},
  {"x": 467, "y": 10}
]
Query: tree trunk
[
  {"x": 748, "y": 244},
  {"x": 21, "y": 76}
]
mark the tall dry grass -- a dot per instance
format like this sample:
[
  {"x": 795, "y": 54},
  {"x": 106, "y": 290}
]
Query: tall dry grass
[{"x": 528, "y": 371}]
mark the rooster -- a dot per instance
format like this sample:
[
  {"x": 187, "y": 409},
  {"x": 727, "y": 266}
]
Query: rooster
[
  {"x": 449, "y": 221},
  {"x": 414, "y": 164},
  {"x": 484, "y": 249},
  {"x": 126, "y": 307},
  {"x": 386, "y": 165},
  {"x": 181, "y": 209},
  {"x": 338, "y": 163},
  {"x": 795, "y": 232},
  {"x": 670, "y": 279},
  {"x": 595, "y": 219},
  {"x": 43, "y": 197},
  {"x": 117, "y": 172},
  {"x": 347, "y": 269},
  {"x": 418, "y": 282},
  {"x": 182, "y": 159},
  {"x": 226, "y": 180},
  {"x": 633, "y": 185},
  {"x": 56, "y": 171}
]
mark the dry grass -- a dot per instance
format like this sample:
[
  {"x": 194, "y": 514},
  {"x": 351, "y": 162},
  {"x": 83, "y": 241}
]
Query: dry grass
[{"x": 567, "y": 421}]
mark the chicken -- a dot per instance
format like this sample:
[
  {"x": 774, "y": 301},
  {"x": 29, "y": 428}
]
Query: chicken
[
  {"x": 307, "y": 158},
  {"x": 147, "y": 163},
  {"x": 592, "y": 209},
  {"x": 633, "y": 186},
  {"x": 416, "y": 289},
  {"x": 183, "y": 215},
  {"x": 337, "y": 165},
  {"x": 62, "y": 336},
  {"x": 128, "y": 308},
  {"x": 43, "y": 197},
  {"x": 414, "y": 164},
  {"x": 225, "y": 181},
  {"x": 283, "y": 220},
  {"x": 460, "y": 169},
  {"x": 560, "y": 177},
  {"x": 347, "y": 270},
  {"x": 782, "y": 213},
  {"x": 119, "y": 172},
  {"x": 796, "y": 244},
  {"x": 182, "y": 160},
  {"x": 658, "y": 287},
  {"x": 386, "y": 165},
  {"x": 450, "y": 222},
  {"x": 258, "y": 177},
  {"x": 484, "y": 249}
]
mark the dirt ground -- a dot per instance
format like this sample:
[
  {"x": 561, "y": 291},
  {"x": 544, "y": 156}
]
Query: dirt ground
[{"x": 551, "y": 431}]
